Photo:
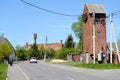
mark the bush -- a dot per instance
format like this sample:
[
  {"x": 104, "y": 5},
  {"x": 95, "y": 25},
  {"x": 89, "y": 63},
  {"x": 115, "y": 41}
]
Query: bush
[
  {"x": 50, "y": 53},
  {"x": 62, "y": 54}
]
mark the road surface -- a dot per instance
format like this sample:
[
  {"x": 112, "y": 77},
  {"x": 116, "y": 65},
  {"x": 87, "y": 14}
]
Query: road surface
[{"x": 47, "y": 71}]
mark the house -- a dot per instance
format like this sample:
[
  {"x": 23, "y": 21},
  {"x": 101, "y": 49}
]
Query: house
[{"x": 54, "y": 46}]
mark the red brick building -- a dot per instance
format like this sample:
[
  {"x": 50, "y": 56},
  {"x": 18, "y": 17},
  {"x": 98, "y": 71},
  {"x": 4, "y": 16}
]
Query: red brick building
[
  {"x": 100, "y": 28},
  {"x": 54, "y": 46}
]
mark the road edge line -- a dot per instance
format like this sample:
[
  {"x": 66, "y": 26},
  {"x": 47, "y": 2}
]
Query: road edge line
[{"x": 26, "y": 77}]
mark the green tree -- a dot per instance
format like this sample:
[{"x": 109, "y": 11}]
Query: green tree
[
  {"x": 50, "y": 53},
  {"x": 62, "y": 53},
  {"x": 21, "y": 52},
  {"x": 5, "y": 49},
  {"x": 34, "y": 51},
  {"x": 41, "y": 52},
  {"x": 78, "y": 30},
  {"x": 69, "y": 43}
]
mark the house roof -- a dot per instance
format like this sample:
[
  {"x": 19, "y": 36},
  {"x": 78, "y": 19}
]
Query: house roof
[
  {"x": 98, "y": 8},
  {"x": 4, "y": 40}
]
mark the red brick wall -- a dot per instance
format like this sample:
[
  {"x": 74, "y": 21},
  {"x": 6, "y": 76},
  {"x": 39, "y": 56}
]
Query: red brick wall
[
  {"x": 76, "y": 57},
  {"x": 54, "y": 46},
  {"x": 115, "y": 57},
  {"x": 88, "y": 33}
]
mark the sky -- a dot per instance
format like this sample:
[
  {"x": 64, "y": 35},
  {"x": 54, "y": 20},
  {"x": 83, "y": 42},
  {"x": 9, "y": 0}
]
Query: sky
[{"x": 19, "y": 21}]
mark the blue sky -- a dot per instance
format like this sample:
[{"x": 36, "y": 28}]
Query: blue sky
[{"x": 20, "y": 21}]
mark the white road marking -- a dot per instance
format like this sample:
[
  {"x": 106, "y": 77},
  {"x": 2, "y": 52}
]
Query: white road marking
[
  {"x": 26, "y": 77},
  {"x": 70, "y": 78}
]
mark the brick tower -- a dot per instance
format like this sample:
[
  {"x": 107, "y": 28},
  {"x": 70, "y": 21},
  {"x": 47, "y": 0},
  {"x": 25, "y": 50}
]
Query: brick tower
[{"x": 99, "y": 22}]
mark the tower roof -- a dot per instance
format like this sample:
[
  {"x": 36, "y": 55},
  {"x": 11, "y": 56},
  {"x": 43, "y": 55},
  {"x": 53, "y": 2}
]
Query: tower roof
[{"x": 98, "y": 8}]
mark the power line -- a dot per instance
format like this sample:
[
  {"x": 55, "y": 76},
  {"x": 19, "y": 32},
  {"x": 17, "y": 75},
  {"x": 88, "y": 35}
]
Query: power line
[
  {"x": 114, "y": 14},
  {"x": 117, "y": 12},
  {"x": 49, "y": 10}
]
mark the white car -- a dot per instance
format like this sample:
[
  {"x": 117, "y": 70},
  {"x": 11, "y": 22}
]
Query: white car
[{"x": 33, "y": 60}]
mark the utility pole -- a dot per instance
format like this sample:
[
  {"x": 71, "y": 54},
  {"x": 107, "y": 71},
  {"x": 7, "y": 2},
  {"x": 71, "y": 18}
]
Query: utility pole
[
  {"x": 113, "y": 33},
  {"x": 111, "y": 15},
  {"x": 94, "y": 36},
  {"x": 45, "y": 49}
]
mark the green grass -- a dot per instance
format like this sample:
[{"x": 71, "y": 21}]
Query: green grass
[
  {"x": 93, "y": 66},
  {"x": 48, "y": 60},
  {"x": 3, "y": 71}
]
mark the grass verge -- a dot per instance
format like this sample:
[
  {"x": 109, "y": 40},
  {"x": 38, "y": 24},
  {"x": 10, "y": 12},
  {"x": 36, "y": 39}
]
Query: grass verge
[
  {"x": 3, "y": 71},
  {"x": 48, "y": 60},
  {"x": 93, "y": 66}
]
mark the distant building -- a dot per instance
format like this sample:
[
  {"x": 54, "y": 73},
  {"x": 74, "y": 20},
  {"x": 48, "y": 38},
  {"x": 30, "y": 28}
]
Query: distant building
[{"x": 54, "y": 46}]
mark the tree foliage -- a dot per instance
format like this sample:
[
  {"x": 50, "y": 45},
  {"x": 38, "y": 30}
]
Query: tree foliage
[
  {"x": 78, "y": 30},
  {"x": 21, "y": 52},
  {"x": 41, "y": 52},
  {"x": 5, "y": 49},
  {"x": 69, "y": 43},
  {"x": 34, "y": 51},
  {"x": 50, "y": 53},
  {"x": 62, "y": 53}
]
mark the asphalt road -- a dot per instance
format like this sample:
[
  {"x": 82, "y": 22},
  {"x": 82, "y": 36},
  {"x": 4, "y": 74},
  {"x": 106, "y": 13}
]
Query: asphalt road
[{"x": 48, "y": 71}]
